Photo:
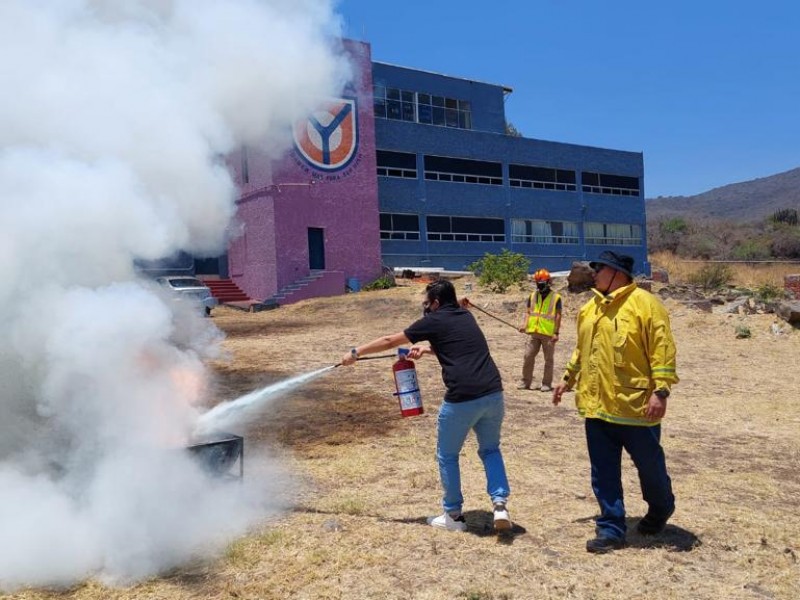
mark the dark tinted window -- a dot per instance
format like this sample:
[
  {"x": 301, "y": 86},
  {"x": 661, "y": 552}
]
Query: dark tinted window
[
  {"x": 405, "y": 222},
  {"x": 619, "y": 181},
  {"x": 606, "y": 180},
  {"x": 463, "y": 166},
  {"x": 398, "y": 160},
  {"x": 439, "y": 224},
  {"x": 590, "y": 178},
  {"x": 472, "y": 225}
]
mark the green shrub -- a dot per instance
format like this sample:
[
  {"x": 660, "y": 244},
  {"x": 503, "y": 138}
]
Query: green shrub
[
  {"x": 667, "y": 234},
  {"x": 768, "y": 291},
  {"x": 743, "y": 332},
  {"x": 499, "y": 272},
  {"x": 712, "y": 277},
  {"x": 381, "y": 283},
  {"x": 676, "y": 225},
  {"x": 751, "y": 250},
  {"x": 787, "y": 215},
  {"x": 699, "y": 245},
  {"x": 786, "y": 243}
]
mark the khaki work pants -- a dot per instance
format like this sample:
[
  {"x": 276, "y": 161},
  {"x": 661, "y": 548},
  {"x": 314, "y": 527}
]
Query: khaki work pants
[{"x": 531, "y": 350}]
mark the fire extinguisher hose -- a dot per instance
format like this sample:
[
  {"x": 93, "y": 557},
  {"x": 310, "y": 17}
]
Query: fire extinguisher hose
[
  {"x": 486, "y": 312},
  {"x": 359, "y": 359}
]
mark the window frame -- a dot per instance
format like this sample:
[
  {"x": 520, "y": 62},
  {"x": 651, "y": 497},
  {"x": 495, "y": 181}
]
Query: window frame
[
  {"x": 463, "y": 236},
  {"x": 609, "y": 238},
  {"x": 403, "y": 235}
]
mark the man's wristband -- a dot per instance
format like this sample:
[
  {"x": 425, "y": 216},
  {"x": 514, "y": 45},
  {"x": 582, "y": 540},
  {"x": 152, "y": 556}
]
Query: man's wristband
[
  {"x": 354, "y": 353},
  {"x": 662, "y": 393}
]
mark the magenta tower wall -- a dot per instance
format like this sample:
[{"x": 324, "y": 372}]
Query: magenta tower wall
[{"x": 311, "y": 218}]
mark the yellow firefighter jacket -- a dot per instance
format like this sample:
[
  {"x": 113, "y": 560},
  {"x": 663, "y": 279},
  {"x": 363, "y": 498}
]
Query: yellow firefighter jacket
[{"x": 625, "y": 351}]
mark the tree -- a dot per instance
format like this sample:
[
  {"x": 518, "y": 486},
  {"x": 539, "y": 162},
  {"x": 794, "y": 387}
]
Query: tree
[
  {"x": 511, "y": 130},
  {"x": 498, "y": 272}
]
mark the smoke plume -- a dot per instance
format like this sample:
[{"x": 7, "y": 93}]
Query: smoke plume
[{"x": 114, "y": 120}]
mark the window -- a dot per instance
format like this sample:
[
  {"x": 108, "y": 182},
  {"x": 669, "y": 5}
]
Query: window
[
  {"x": 462, "y": 170},
  {"x": 617, "y": 185},
  {"x": 393, "y": 103},
  {"x": 397, "y": 164},
  {"x": 542, "y": 178},
  {"x": 613, "y": 234},
  {"x": 544, "y": 232},
  {"x": 445, "y": 112},
  {"x": 465, "y": 229},
  {"x": 419, "y": 107},
  {"x": 396, "y": 226}
]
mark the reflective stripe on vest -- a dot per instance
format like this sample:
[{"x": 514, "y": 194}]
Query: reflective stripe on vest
[{"x": 543, "y": 317}]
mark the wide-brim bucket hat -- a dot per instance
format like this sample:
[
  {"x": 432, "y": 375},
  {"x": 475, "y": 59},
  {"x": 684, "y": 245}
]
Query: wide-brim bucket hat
[{"x": 620, "y": 262}]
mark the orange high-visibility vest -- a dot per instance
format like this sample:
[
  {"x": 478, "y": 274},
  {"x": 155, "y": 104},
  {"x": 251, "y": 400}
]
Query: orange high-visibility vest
[{"x": 543, "y": 316}]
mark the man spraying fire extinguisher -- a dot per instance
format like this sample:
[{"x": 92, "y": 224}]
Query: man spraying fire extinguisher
[{"x": 473, "y": 399}]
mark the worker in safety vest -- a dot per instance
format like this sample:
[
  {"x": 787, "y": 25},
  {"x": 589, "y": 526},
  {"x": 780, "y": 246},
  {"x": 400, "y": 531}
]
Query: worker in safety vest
[{"x": 542, "y": 324}]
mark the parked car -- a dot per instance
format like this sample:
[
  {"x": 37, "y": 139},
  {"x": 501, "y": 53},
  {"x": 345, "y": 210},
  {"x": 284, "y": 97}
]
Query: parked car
[{"x": 191, "y": 289}]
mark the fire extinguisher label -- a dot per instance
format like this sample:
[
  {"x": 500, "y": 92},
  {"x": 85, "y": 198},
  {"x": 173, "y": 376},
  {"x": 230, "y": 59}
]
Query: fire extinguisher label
[{"x": 408, "y": 389}]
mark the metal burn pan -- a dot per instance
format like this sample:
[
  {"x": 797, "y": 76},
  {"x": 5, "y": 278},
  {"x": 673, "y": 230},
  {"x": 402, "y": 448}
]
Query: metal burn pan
[{"x": 220, "y": 454}]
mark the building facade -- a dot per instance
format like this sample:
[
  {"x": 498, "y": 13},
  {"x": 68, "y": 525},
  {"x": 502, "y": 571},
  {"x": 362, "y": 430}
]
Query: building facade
[
  {"x": 454, "y": 186},
  {"x": 415, "y": 169},
  {"x": 309, "y": 222}
]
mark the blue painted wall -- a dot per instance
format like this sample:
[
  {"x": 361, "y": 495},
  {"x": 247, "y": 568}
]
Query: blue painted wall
[{"x": 487, "y": 141}]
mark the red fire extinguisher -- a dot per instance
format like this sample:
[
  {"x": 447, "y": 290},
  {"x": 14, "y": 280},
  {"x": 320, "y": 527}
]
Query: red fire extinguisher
[{"x": 405, "y": 380}]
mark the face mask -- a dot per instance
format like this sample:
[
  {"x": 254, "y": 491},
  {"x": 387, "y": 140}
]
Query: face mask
[
  {"x": 426, "y": 308},
  {"x": 542, "y": 286}
]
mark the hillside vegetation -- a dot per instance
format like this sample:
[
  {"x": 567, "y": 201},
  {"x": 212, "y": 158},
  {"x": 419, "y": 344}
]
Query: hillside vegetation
[
  {"x": 752, "y": 221},
  {"x": 776, "y": 237},
  {"x": 738, "y": 202}
]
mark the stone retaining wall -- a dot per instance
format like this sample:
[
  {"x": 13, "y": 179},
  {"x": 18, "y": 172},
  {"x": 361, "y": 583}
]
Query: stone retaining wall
[{"x": 791, "y": 284}]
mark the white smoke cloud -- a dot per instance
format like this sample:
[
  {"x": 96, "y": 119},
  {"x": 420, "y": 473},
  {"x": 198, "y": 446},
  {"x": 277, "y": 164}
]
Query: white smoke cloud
[{"x": 114, "y": 117}]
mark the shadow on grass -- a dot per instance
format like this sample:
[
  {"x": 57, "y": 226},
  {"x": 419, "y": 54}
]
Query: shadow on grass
[
  {"x": 672, "y": 539},
  {"x": 479, "y": 523}
]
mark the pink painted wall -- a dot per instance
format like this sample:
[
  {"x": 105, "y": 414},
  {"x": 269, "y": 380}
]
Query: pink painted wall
[{"x": 284, "y": 198}]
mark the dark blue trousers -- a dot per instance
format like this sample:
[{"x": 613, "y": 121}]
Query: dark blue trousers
[{"x": 606, "y": 441}]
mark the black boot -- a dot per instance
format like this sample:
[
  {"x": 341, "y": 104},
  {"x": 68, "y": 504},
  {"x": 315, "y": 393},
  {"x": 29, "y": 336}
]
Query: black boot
[
  {"x": 652, "y": 525},
  {"x": 602, "y": 545}
]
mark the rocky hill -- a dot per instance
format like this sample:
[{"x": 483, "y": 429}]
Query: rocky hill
[{"x": 738, "y": 202}]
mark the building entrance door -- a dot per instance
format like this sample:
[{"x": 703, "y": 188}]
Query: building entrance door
[
  {"x": 212, "y": 266},
  {"x": 316, "y": 248}
]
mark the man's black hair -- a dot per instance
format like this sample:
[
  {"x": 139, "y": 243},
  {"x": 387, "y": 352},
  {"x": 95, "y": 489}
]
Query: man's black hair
[{"x": 443, "y": 291}]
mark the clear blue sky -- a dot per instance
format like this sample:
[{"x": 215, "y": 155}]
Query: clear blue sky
[{"x": 709, "y": 90}]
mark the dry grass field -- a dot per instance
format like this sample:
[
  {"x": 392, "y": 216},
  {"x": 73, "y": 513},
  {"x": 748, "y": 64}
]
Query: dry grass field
[
  {"x": 363, "y": 479},
  {"x": 743, "y": 274}
]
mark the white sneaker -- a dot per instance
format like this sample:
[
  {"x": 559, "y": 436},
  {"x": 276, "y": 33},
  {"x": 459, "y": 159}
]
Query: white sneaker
[
  {"x": 445, "y": 521},
  {"x": 502, "y": 522},
  {"x": 546, "y": 388}
]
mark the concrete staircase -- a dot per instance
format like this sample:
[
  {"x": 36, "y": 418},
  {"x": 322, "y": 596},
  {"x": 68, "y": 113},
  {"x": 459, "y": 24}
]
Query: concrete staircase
[
  {"x": 313, "y": 285},
  {"x": 226, "y": 291}
]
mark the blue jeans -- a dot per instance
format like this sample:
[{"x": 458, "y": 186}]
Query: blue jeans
[
  {"x": 485, "y": 416},
  {"x": 606, "y": 441}
]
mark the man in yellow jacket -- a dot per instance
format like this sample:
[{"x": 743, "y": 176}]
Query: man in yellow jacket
[{"x": 624, "y": 366}]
